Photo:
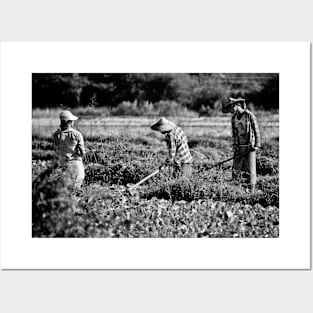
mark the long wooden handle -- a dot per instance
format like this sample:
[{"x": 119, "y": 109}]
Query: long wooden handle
[{"x": 144, "y": 179}]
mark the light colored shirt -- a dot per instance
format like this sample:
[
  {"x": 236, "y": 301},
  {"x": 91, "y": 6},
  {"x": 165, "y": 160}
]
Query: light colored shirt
[
  {"x": 178, "y": 146},
  {"x": 69, "y": 144}
]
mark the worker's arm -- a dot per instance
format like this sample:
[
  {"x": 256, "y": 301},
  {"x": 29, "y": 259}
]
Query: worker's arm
[
  {"x": 80, "y": 147},
  {"x": 55, "y": 139},
  {"x": 56, "y": 145},
  {"x": 171, "y": 143},
  {"x": 255, "y": 128},
  {"x": 234, "y": 134}
]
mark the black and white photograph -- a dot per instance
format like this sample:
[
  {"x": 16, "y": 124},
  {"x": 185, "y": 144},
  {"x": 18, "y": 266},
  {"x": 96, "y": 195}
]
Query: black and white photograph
[
  {"x": 184, "y": 162},
  {"x": 155, "y": 155}
]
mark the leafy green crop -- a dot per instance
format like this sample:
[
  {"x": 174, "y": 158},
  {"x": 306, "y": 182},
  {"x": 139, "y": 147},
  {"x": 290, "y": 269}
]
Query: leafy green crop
[{"x": 207, "y": 205}]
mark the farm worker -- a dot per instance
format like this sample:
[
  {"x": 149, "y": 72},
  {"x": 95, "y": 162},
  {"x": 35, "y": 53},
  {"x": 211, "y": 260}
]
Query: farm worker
[
  {"x": 246, "y": 139},
  {"x": 69, "y": 146},
  {"x": 179, "y": 158}
]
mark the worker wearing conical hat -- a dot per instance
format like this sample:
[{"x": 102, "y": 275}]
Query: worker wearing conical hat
[
  {"x": 246, "y": 139},
  {"x": 179, "y": 155},
  {"x": 69, "y": 146}
]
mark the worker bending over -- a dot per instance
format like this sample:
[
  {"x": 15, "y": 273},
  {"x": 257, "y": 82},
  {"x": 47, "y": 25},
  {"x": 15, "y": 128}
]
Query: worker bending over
[{"x": 179, "y": 158}]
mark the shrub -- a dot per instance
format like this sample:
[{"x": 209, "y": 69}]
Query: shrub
[
  {"x": 266, "y": 165},
  {"x": 43, "y": 155},
  {"x": 56, "y": 211},
  {"x": 171, "y": 108},
  {"x": 91, "y": 112},
  {"x": 52, "y": 206},
  {"x": 270, "y": 148},
  {"x": 215, "y": 188},
  {"x": 127, "y": 108},
  {"x": 160, "y": 108},
  {"x": 208, "y": 111},
  {"x": 116, "y": 173}
]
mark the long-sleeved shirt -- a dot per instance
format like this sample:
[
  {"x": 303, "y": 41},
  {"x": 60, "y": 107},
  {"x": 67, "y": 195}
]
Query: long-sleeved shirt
[
  {"x": 69, "y": 144},
  {"x": 178, "y": 146},
  {"x": 245, "y": 130}
]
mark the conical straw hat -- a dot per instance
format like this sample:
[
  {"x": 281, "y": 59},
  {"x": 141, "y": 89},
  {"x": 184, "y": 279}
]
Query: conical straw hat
[{"x": 163, "y": 125}]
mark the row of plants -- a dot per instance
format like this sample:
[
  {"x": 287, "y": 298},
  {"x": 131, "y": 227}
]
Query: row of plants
[
  {"x": 208, "y": 205},
  {"x": 108, "y": 211}
]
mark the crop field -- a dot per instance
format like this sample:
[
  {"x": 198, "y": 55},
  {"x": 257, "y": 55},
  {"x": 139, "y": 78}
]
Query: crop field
[{"x": 123, "y": 150}]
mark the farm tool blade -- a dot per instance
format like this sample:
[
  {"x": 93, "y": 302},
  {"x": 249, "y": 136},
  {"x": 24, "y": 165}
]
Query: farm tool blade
[{"x": 142, "y": 181}]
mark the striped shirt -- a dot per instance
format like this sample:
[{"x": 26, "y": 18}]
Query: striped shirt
[
  {"x": 178, "y": 146},
  {"x": 245, "y": 130},
  {"x": 69, "y": 144}
]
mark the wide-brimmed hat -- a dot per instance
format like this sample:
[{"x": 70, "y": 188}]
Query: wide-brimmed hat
[
  {"x": 232, "y": 102},
  {"x": 67, "y": 116},
  {"x": 163, "y": 125},
  {"x": 237, "y": 101}
]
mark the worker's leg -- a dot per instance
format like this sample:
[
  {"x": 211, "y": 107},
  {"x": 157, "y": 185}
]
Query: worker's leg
[
  {"x": 245, "y": 168},
  {"x": 241, "y": 162},
  {"x": 237, "y": 165},
  {"x": 76, "y": 172},
  {"x": 186, "y": 170},
  {"x": 252, "y": 170},
  {"x": 175, "y": 171}
]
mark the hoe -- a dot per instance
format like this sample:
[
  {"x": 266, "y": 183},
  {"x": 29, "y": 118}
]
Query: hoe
[{"x": 130, "y": 189}]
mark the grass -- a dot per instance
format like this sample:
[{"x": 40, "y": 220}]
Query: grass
[{"x": 205, "y": 206}]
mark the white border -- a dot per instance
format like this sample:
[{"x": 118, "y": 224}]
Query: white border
[{"x": 290, "y": 251}]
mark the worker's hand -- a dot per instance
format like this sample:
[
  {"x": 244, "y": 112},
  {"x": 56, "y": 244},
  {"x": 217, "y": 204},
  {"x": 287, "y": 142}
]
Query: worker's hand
[
  {"x": 169, "y": 162},
  {"x": 162, "y": 168},
  {"x": 256, "y": 149}
]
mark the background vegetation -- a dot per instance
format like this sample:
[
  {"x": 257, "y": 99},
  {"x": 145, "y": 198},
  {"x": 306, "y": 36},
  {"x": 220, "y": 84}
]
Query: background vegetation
[{"x": 155, "y": 94}]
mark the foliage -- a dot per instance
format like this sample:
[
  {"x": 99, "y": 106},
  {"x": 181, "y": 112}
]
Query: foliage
[
  {"x": 131, "y": 108},
  {"x": 214, "y": 187},
  {"x": 52, "y": 208},
  {"x": 202, "y": 92},
  {"x": 160, "y": 108},
  {"x": 207, "y": 205},
  {"x": 109, "y": 211}
]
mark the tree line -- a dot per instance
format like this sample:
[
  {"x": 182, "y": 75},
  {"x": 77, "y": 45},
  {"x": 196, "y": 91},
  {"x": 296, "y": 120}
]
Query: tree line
[{"x": 193, "y": 91}]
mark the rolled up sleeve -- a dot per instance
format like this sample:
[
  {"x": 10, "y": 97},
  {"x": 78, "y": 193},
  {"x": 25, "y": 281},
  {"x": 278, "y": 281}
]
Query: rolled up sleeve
[{"x": 80, "y": 145}]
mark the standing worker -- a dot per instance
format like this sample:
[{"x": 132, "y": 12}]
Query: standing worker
[
  {"x": 69, "y": 146},
  {"x": 246, "y": 139},
  {"x": 179, "y": 158}
]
